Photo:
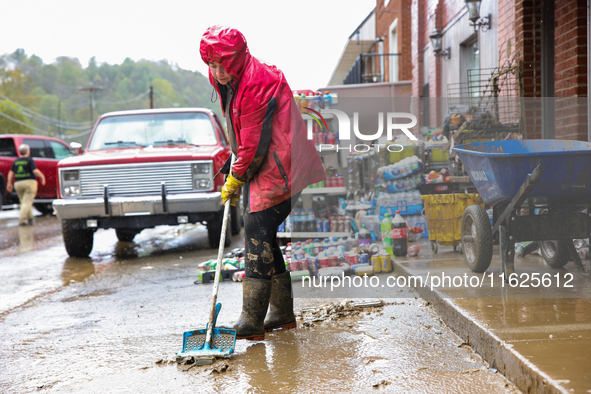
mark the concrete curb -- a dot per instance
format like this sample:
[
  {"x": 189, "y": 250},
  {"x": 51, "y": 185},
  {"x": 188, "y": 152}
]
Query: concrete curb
[{"x": 514, "y": 366}]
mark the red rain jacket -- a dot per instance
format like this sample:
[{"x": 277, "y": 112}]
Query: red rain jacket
[{"x": 265, "y": 127}]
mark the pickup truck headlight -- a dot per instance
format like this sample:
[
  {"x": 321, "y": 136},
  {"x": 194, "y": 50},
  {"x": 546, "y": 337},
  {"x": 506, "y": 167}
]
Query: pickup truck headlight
[
  {"x": 71, "y": 175},
  {"x": 202, "y": 168},
  {"x": 203, "y": 176},
  {"x": 70, "y": 183},
  {"x": 72, "y": 191}
]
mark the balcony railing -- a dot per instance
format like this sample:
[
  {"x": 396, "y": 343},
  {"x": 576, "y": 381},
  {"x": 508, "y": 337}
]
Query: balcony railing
[{"x": 368, "y": 68}]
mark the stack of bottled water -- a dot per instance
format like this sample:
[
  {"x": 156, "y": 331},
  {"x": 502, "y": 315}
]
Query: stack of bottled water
[
  {"x": 404, "y": 168},
  {"x": 404, "y": 202},
  {"x": 404, "y": 184}
]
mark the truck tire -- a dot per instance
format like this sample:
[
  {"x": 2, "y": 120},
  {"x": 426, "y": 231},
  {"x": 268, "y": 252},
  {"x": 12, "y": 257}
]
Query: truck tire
[
  {"x": 214, "y": 230},
  {"x": 78, "y": 242},
  {"x": 555, "y": 253},
  {"x": 126, "y": 234},
  {"x": 237, "y": 221},
  {"x": 44, "y": 208},
  {"x": 477, "y": 238}
]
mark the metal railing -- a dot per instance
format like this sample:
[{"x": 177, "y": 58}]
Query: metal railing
[{"x": 368, "y": 68}]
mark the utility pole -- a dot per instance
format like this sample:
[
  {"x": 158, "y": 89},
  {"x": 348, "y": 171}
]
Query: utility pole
[
  {"x": 59, "y": 111},
  {"x": 151, "y": 97},
  {"x": 91, "y": 89}
]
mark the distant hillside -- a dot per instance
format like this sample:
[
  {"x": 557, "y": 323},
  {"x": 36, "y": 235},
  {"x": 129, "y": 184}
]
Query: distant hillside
[{"x": 54, "y": 99}]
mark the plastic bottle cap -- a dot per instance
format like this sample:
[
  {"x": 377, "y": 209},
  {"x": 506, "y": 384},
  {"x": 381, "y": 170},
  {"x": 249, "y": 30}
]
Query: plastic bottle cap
[{"x": 397, "y": 212}]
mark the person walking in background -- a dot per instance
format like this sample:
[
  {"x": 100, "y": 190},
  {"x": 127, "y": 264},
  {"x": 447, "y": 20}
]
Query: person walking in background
[{"x": 24, "y": 172}]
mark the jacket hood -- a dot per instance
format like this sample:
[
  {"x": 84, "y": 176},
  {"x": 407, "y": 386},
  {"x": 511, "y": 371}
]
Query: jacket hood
[{"x": 226, "y": 46}]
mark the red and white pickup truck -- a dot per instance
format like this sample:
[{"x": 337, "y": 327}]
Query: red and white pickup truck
[{"x": 142, "y": 169}]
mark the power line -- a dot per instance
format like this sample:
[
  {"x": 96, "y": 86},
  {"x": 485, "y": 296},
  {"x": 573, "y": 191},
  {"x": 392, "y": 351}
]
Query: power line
[
  {"x": 124, "y": 101},
  {"x": 56, "y": 122},
  {"x": 44, "y": 132},
  {"x": 77, "y": 135},
  {"x": 166, "y": 99}
]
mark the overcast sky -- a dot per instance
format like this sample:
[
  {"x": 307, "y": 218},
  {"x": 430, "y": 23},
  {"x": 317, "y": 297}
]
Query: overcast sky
[{"x": 305, "y": 39}]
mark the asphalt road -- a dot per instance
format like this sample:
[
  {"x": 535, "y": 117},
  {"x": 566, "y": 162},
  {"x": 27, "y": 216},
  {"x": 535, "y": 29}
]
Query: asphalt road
[{"x": 113, "y": 322}]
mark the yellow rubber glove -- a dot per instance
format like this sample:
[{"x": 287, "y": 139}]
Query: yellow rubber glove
[{"x": 232, "y": 184}]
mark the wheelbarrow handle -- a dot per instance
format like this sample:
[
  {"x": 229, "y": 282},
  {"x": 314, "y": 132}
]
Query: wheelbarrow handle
[
  {"x": 526, "y": 188},
  {"x": 537, "y": 173}
]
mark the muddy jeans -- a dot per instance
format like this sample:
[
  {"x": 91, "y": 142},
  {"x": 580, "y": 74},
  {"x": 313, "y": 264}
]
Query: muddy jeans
[
  {"x": 263, "y": 257},
  {"x": 26, "y": 191}
]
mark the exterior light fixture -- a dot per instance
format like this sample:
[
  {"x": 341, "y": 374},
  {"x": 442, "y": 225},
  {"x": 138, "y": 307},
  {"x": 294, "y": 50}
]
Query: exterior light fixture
[
  {"x": 474, "y": 16},
  {"x": 437, "y": 43}
]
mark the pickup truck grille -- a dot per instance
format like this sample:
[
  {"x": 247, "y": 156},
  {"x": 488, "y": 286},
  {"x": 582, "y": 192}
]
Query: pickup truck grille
[{"x": 136, "y": 179}]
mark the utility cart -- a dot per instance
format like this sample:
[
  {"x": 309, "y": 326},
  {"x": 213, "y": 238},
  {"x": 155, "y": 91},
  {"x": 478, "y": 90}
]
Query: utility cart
[
  {"x": 551, "y": 179},
  {"x": 444, "y": 217}
]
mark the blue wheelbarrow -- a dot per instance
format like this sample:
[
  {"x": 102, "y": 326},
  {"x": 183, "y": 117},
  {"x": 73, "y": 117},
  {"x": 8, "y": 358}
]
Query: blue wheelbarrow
[{"x": 551, "y": 179}]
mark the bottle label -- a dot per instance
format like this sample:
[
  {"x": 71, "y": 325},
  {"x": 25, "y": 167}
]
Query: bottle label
[{"x": 398, "y": 233}]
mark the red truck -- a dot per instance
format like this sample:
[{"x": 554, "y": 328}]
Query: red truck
[
  {"x": 142, "y": 169},
  {"x": 46, "y": 152}
]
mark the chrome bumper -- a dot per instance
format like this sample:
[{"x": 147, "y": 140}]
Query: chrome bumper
[{"x": 137, "y": 206}]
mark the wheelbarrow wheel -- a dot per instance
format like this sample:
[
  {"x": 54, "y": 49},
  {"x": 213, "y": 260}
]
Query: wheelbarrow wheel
[
  {"x": 476, "y": 238},
  {"x": 555, "y": 253}
]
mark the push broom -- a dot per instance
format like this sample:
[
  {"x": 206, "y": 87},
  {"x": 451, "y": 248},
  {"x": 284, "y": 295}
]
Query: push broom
[{"x": 205, "y": 345}]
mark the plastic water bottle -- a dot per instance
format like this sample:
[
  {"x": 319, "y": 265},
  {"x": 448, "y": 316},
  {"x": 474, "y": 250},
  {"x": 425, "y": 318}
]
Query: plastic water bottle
[
  {"x": 364, "y": 236},
  {"x": 317, "y": 247},
  {"x": 385, "y": 227},
  {"x": 289, "y": 223},
  {"x": 524, "y": 248},
  {"x": 311, "y": 221},
  {"x": 318, "y": 103},
  {"x": 297, "y": 221},
  {"x": 309, "y": 248},
  {"x": 303, "y": 103},
  {"x": 399, "y": 234},
  {"x": 327, "y": 100}
]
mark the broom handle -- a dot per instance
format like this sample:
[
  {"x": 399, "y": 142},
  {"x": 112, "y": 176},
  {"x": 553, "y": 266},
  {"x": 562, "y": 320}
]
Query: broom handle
[{"x": 218, "y": 267}]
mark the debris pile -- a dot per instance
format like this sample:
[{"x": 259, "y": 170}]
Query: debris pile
[{"x": 334, "y": 311}]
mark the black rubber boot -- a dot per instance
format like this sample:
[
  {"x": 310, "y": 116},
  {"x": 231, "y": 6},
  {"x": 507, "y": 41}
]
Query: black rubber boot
[
  {"x": 255, "y": 301},
  {"x": 280, "y": 314}
]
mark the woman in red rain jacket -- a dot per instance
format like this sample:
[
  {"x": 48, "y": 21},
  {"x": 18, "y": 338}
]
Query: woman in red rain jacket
[{"x": 275, "y": 162}]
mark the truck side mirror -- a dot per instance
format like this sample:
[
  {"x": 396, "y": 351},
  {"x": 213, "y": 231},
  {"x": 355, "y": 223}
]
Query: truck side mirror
[{"x": 76, "y": 148}]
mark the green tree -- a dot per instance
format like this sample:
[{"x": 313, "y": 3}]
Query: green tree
[{"x": 9, "y": 126}]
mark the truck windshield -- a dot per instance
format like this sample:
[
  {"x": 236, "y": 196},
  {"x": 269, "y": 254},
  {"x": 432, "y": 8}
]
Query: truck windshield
[{"x": 182, "y": 128}]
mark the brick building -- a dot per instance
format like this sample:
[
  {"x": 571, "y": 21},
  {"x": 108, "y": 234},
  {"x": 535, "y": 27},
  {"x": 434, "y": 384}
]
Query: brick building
[
  {"x": 537, "y": 50},
  {"x": 542, "y": 45},
  {"x": 393, "y": 29},
  {"x": 379, "y": 50}
]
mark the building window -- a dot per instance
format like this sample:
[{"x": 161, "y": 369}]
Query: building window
[
  {"x": 393, "y": 49},
  {"x": 470, "y": 67}
]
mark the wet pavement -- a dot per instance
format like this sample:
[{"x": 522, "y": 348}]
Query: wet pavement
[
  {"x": 100, "y": 325},
  {"x": 538, "y": 334}
]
